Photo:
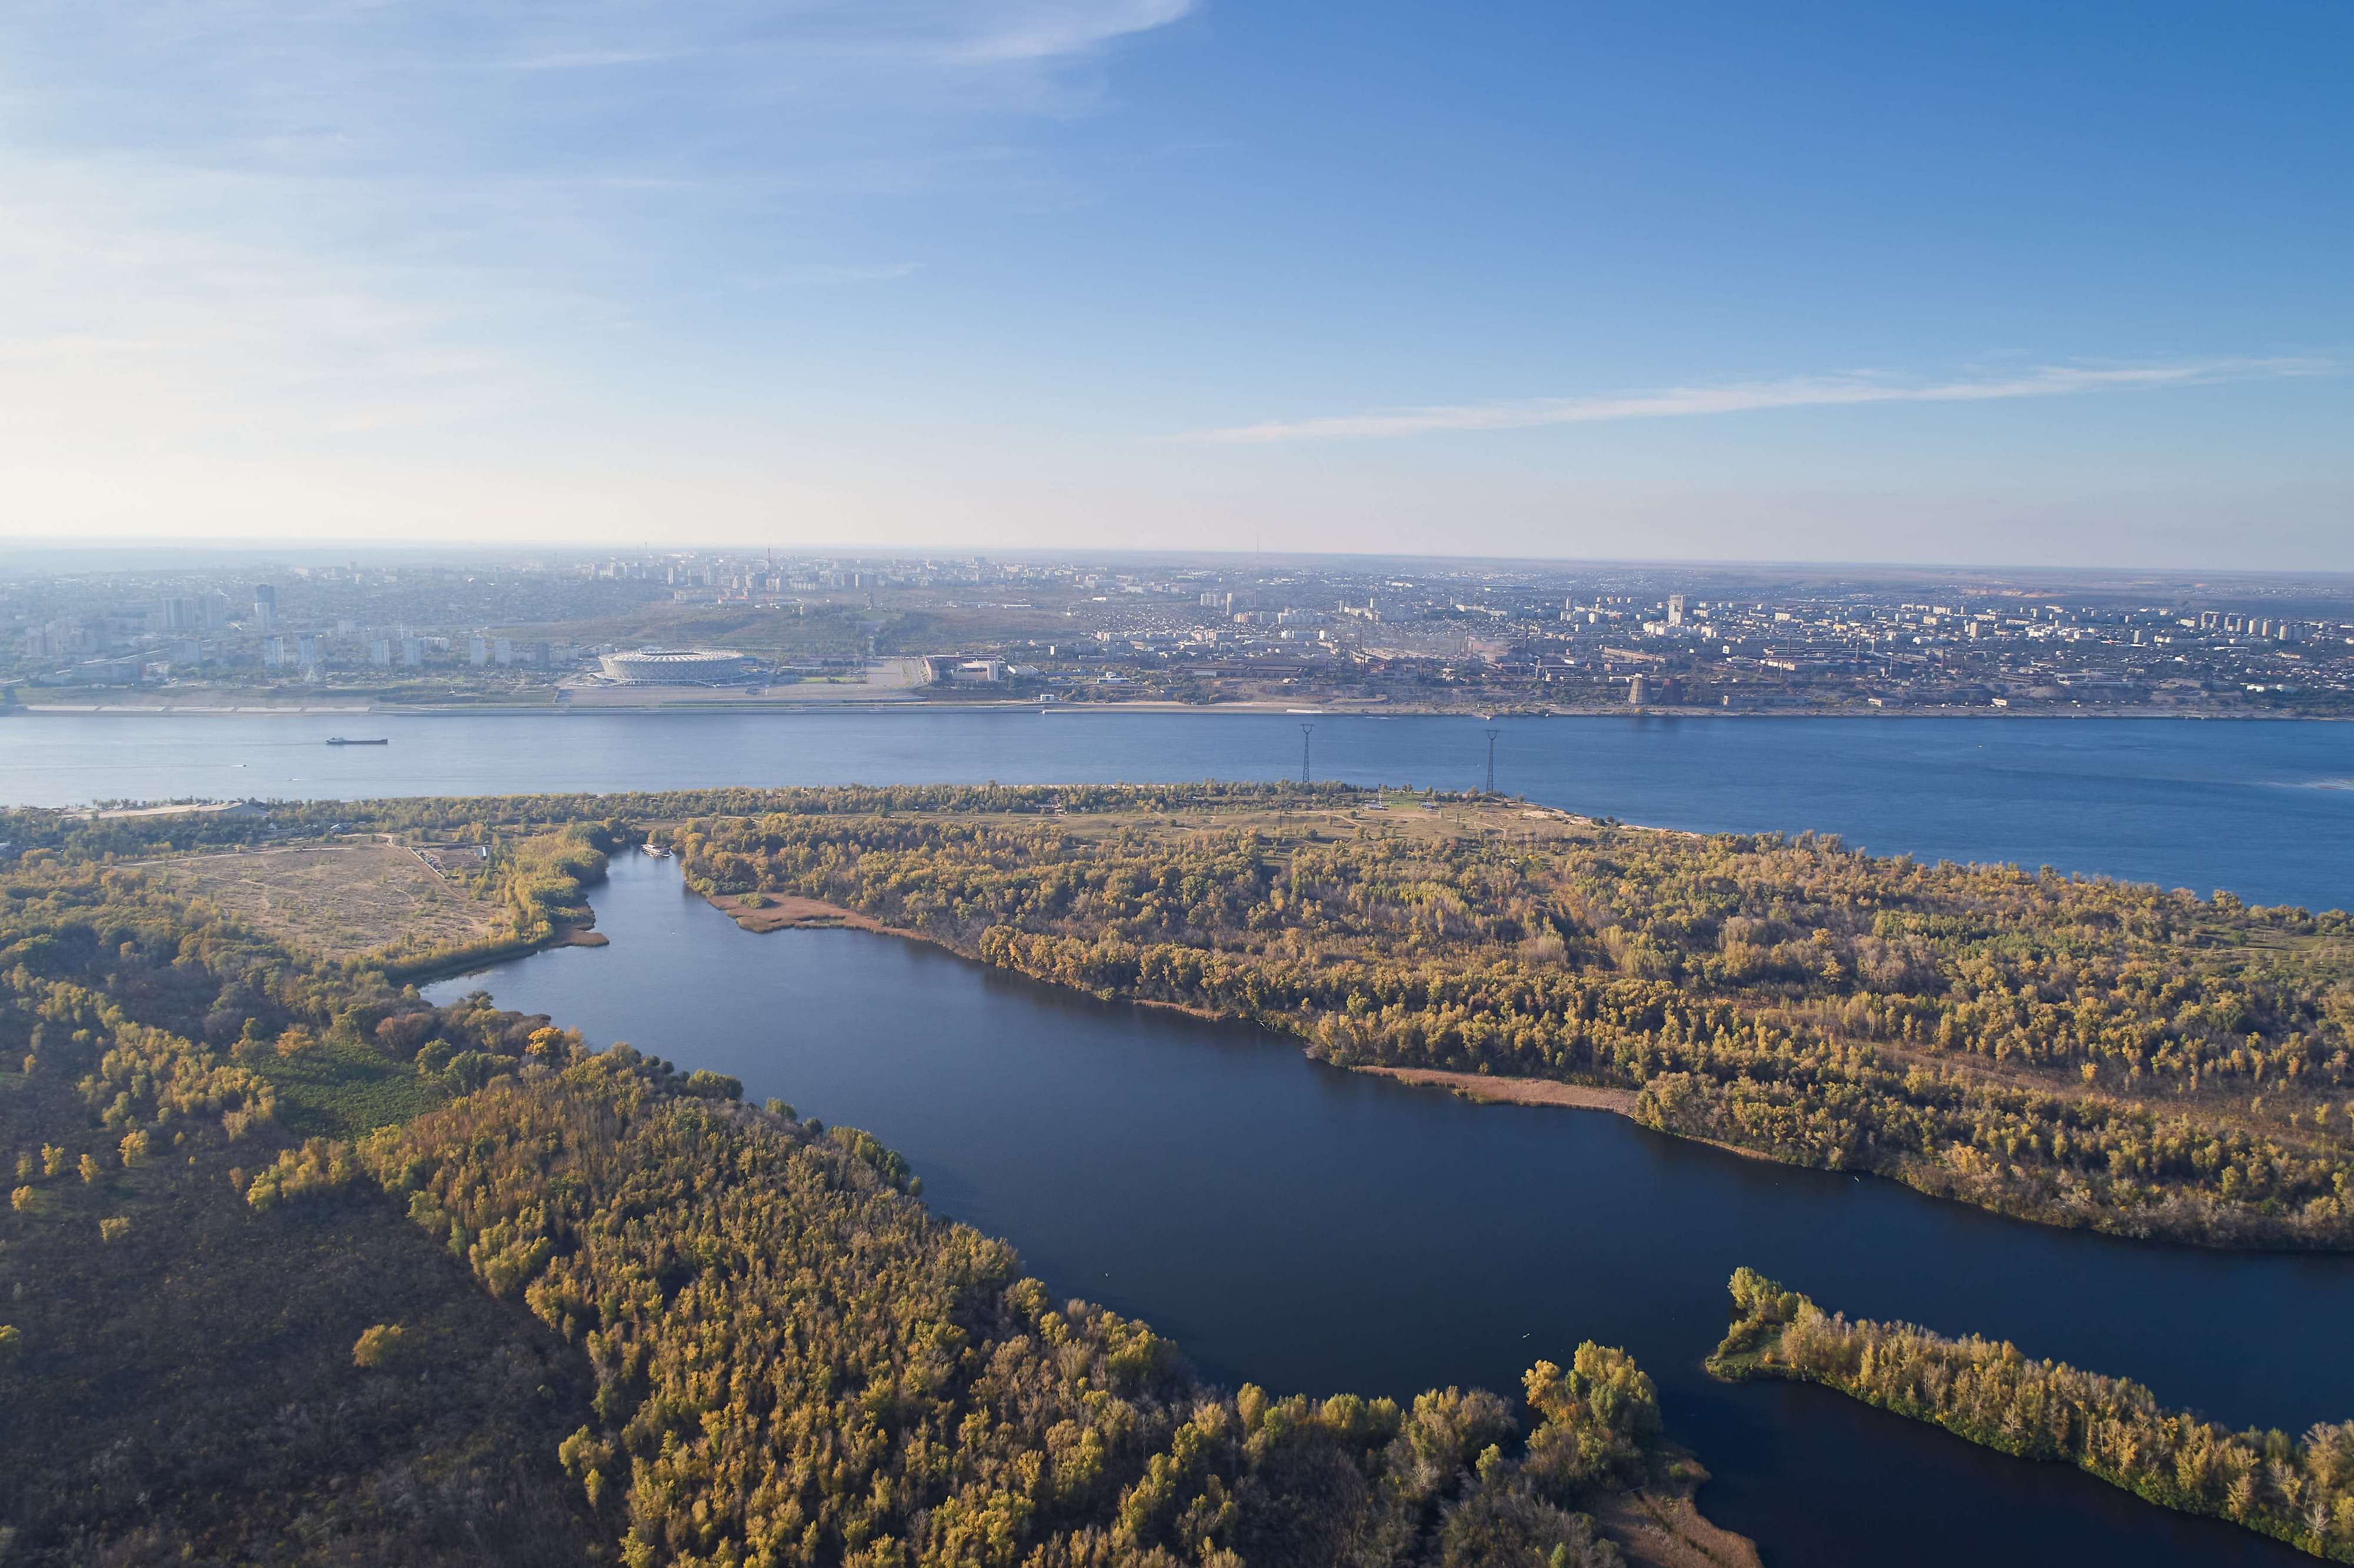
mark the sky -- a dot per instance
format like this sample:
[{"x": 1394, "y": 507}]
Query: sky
[{"x": 2039, "y": 284}]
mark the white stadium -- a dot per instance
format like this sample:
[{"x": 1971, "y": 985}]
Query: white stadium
[{"x": 680, "y": 667}]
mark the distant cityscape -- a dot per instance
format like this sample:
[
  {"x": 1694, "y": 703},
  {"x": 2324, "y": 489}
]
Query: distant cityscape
[{"x": 1411, "y": 634}]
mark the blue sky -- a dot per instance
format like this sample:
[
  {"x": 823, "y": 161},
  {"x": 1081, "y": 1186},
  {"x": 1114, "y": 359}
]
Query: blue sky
[{"x": 1997, "y": 283}]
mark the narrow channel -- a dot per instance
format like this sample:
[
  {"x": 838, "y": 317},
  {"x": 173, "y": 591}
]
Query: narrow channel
[{"x": 1306, "y": 1228}]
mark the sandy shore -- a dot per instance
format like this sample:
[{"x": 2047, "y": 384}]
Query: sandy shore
[
  {"x": 1491, "y": 1090},
  {"x": 1487, "y": 1089},
  {"x": 784, "y": 911},
  {"x": 1664, "y": 1530}
]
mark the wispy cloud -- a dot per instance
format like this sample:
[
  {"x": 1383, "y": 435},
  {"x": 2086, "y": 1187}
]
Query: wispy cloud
[
  {"x": 337, "y": 225},
  {"x": 1053, "y": 30},
  {"x": 1748, "y": 396}
]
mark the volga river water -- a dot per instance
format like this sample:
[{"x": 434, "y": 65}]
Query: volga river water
[
  {"x": 2264, "y": 809},
  {"x": 1310, "y": 1229}
]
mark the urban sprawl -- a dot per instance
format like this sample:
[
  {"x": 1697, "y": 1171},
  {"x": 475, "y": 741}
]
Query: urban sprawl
[{"x": 768, "y": 628}]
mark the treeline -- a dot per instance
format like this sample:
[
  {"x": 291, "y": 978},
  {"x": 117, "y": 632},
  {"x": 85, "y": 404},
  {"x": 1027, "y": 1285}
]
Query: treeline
[
  {"x": 2299, "y": 1490},
  {"x": 81, "y": 835},
  {"x": 796, "y": 1363},
  {"x": 2076, "y": 1051}
]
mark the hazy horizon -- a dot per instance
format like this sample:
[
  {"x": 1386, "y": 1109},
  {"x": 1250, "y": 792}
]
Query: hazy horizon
[{"x": 165, "y": 551}]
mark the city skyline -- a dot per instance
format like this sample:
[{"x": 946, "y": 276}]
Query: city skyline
[{"x": 2015, "y": 290}]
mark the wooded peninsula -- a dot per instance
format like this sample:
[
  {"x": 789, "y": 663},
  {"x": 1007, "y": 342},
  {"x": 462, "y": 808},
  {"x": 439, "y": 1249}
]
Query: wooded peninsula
[
  {"x": 2299, "y": 1490},
  {"x": 2063, "y": 1049}
]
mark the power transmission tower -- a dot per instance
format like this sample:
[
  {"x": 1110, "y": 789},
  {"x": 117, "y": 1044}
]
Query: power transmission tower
[
  {"x": 1491, "y": 762},
  {"x": 1305, "y": 731}
]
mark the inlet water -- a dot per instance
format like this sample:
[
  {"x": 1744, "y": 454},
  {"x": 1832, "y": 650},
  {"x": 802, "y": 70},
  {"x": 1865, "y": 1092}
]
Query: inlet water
[{"x": 1314, "y": 1230}]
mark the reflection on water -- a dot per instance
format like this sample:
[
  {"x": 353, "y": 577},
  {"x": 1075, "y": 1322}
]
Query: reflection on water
[{"x": 1312, "y": 1229}]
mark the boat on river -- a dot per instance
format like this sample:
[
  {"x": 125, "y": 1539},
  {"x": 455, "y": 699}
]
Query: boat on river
[{"x": 341, "y": 740}]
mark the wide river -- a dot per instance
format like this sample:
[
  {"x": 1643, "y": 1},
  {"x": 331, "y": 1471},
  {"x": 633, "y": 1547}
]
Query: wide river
[
  {"x": 2264, "y": 809},
  {"x": 1316, "y": 1230}
]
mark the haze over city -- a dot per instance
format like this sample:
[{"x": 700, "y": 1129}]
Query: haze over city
[{"x": 2001, "y": 285}]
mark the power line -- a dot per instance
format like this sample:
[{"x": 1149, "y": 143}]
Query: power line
[
  {"x": 1491, "y": 762},
  {"x": 1305, "y": 731}
]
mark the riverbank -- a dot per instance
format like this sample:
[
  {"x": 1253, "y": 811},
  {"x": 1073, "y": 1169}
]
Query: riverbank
[
  {"x": 901, "y": 703},
  {"x": 1483, "y": 1088},
  {"x": 1490, "y": 1090},
  {"x": 761, "y": 913}
]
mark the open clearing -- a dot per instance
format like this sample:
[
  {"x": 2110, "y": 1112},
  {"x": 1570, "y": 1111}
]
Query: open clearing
[{"x": 347, "y": 901}]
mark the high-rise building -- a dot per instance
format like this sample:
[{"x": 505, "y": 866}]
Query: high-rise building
[
  {"x": 265, "y": 606},
  {"x": 184, "y": 614},
  {"x": 1675, "y": 610}
]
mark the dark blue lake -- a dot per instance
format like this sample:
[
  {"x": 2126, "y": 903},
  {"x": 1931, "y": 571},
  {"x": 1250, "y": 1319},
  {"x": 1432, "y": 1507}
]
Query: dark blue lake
[
  {"x": 2265, "y": 809},
  {"x": 1310, "y": 1229}
]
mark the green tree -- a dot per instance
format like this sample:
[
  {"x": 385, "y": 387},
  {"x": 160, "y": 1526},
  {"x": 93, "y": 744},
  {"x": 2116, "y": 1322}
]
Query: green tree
[{"x": 377, "y": 1346}]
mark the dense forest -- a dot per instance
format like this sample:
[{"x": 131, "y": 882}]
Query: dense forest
[
  {"x": 298, "y": 1268},
  {"x": 2072, "y": 1050},
  {"x": 2300, "y": 1489},
  {"x": 796, "y": 1363},
  {"x": 181, "y": 1379}
]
